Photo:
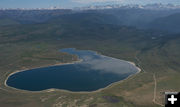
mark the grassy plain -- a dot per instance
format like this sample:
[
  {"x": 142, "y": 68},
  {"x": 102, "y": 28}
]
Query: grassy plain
[{"x": 31, "y": 46}]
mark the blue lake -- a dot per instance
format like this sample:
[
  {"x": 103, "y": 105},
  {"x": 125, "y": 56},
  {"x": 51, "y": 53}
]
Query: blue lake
[{"x": 95, "y": 71}]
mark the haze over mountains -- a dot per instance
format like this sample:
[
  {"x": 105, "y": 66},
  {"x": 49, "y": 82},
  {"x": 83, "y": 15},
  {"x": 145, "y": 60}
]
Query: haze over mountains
[{"x": 155, "y": 6}]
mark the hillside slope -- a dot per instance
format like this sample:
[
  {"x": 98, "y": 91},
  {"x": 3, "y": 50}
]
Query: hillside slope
[
  {"x": 36, "y": 45},
  {"x": 170, "y": 23}
]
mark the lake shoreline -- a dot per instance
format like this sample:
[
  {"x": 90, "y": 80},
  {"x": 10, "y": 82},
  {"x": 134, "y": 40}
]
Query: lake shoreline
[
  {"x": 63, "y": 90},
  {"x": 53, "y": 65}
]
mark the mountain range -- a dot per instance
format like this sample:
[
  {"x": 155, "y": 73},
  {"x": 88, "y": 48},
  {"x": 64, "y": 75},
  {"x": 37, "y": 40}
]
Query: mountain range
[
  {"x": 148, "y": 37},
  {"x": 164, "y": 19}
]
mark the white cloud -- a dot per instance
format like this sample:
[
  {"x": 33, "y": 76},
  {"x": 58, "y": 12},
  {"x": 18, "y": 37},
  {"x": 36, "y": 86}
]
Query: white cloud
[
  {"x": 95, "y": 1},
  {"x": 127, "y": 1}
]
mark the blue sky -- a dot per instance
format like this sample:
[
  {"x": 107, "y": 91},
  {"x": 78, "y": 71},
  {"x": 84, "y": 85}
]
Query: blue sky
[{"x": 73, "y": 3}]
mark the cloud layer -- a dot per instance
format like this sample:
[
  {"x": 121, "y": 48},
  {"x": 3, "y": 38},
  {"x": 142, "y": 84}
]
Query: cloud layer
[
  {"x": 95, "y": 1},
  {"x": 126, "y": 1}
]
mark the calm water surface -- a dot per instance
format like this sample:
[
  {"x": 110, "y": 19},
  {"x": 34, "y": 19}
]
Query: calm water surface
[{"x": 92, "y": 73}]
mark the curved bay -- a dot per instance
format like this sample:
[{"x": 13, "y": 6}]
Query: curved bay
[{"x": 95, "y": 71}]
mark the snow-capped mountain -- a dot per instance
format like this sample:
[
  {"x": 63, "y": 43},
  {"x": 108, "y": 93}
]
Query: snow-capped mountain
[{"x": 148, "y": 6}]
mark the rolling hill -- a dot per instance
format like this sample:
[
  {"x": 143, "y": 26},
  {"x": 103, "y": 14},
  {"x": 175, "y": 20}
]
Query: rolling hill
[
  {"x": 27, "y": 46},
  {"x": 169, "y": 23}
]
